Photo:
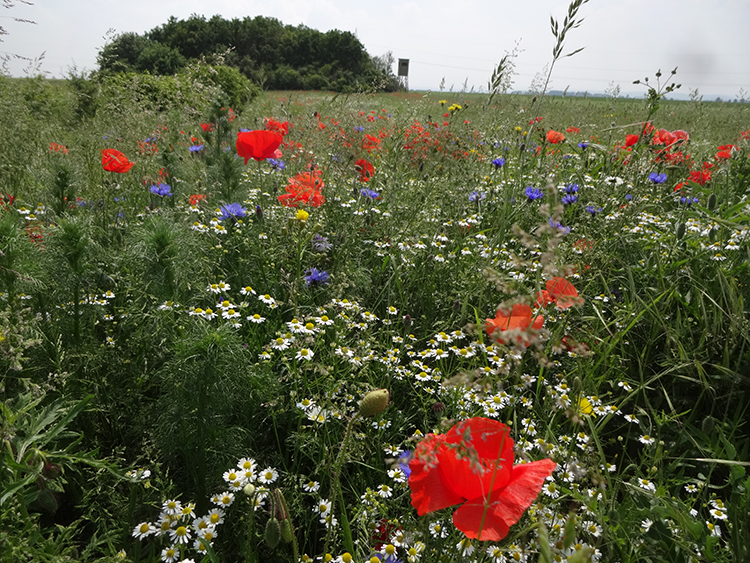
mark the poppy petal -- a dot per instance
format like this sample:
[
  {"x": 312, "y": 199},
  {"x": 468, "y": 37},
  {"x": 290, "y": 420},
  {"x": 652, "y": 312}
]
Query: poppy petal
[
  {"x": 429, "y": 490},
  {"x": 487, "y": 461},
  {"x": 525, "y": 483},
  {"x": 472, "y": 516}
]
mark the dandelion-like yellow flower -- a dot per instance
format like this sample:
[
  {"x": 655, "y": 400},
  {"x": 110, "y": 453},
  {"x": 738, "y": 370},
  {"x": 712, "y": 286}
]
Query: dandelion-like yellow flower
[{"x": 302, "y": 215}]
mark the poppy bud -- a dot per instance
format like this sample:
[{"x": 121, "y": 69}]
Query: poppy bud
[
  {"x": 374, "y": 402},
  {"x": 711, "y": 202},
  {"x": 680, "y": 231},
  {"x": 712, "y": 235},
  {"x": 272, "y": 534},
  {"x": 287, "y": 533},
  {"x": 47, "y": 501},
  {"x": 249, "y": 489}
]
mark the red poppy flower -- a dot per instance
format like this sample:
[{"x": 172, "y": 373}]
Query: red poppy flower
[
  {"x": 572, "y": 130},
  {"x": 259, "y": 145},
  {"x": 472, "y": 465},
  {"x": 365, "y": 169},
  {"x": 630, "y": 140},
  {"x": 207, "y": 127},
  {"x": 114, "y": 161},
  {"x": 370, "y": 143},
  {"x": 270, "y": 124},
  {"x": 57, "y": 147},
  {"x": 555, "y": 137},
  {"x": 195, "y": 199},
  {"x": 562, "y": 293},
  {"x": 306, "y": 188},
  {"x": 519, "y": 319},
  {"x": 724, "y": 152}
]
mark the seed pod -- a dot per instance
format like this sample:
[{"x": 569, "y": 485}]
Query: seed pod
[
  {"x": 680, "y": 231},
  {"x": 569, "y": 531},
  {"x": 712, "y": 236},
  {"x": 711, "y": 202},
  {"x": 273, "y": 533},
  {"x": 374, "y": 402}
]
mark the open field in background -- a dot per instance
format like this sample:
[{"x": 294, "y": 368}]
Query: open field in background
[{"x": 193, "y": 335}]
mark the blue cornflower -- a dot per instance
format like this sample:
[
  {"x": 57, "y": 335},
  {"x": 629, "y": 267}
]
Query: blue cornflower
[
  {"x": 498, "y": 162},
  {"x": 232, "y": 211},
  {"x": 316, "y": 277},
  {"x": 571, "y": 189},
  {"x": 593, "y": 209},
  {"x": 163, "y": 190},
  {"x": 320, "y": 243},
  {"x": 583, "y": 145},
  {"x": 477, "y": 196},
  {"x": 403, "y": 462},
  {"x": 557, "y": 225},
  {"x": 364, "y": 192},
  {"x": 276, "y": 164},
  {"x": 533, "y": 193},
  {"x": 570, "y": 198},
  {"x": 195, "y": 148},
  {"x": 689, "y": 201},
  {"x": 359, "y": 128},
  {"x": 657, "y": 178},
  {"x": 629, "y": 197}
]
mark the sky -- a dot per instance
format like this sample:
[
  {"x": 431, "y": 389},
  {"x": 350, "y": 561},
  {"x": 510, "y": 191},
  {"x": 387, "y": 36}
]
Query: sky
[{"x": 452, "y": 43}]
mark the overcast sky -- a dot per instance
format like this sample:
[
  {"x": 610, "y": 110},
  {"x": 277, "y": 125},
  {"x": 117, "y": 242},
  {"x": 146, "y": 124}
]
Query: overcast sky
[{"x": 460, "y": 41}]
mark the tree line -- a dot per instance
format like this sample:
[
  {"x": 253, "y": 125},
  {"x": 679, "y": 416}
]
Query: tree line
[{"x": 271, "y": 54}]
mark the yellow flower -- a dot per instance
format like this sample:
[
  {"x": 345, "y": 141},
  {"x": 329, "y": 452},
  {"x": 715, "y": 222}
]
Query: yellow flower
[
  {"x": 443, "y": 102},
  {"x": 302, "y": 215},
  {"x": 585, "y": 406},
  {"x": 518, "y": 129}
]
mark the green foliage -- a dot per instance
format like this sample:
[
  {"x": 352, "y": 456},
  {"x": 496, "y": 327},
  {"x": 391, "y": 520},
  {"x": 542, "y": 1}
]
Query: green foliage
[{"x": 263, "y": 49}]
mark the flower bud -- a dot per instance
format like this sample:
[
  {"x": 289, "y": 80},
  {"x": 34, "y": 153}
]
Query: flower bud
[
  {"x": 249, "y": 489},
  {"x": 272, "y": 534},
  {"x": 680, "y": 231},
  {"x": 711, "y": 202},
  {"x": 374, "y": 402},
  {"x": 287, "y": 534}
]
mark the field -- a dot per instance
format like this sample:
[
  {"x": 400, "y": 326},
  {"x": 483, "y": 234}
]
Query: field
[{"x": 431, "y": 327}]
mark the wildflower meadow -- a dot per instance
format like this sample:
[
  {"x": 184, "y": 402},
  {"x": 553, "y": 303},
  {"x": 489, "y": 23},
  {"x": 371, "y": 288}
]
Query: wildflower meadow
[{"x": 362, "y": 328}]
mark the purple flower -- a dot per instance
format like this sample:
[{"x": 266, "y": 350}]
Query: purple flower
[
  {"x": 533, "y": 193},
  {"x": 583, "y": 145},
  {"x": 593, "y": 209},
  {"x": 498, "y": 162},
  {"x": 689, "y": 201},
  {"x": 196, "y": 148},
  {"x": 163, "y": 190},
  {"x": 232, "y": 211},
  {"x": 359, "y": 128},
  {"x": 276, "y": 164},
  {"x": 316, "y": 277},
  {"x": 557, "y": 225},
  {"x": 571, "y": 189},
  {"x": 477, "y": 196},
  {"x": 403, "y": 462},
  {"x": 657, "y": 178},
  {"x": 364, "y": 192},
  {"x": 629, "y": 197},
  {"x": 320, "y": 243},
  {"x": 570, "y": 198}
]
